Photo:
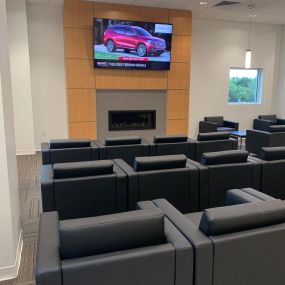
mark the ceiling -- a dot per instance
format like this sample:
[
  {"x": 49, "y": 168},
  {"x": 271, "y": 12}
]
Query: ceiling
[{"x": 267, "y": 11}]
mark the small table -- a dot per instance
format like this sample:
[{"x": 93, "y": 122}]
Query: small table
[{"x": 239, "y": 136}]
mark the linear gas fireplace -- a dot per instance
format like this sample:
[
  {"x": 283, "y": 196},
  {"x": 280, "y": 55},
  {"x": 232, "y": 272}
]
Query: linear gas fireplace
[{"x": 132, "y": 120}]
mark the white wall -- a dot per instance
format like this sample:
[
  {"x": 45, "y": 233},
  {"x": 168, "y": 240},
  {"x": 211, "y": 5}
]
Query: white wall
[
  {"x": 20, "y": 75},
  {"x": 46, "y": 42},
  {"x": 280, "y": 90},
  {"x": 10, "y": 231},
  {"x": 217, "y": 46}
]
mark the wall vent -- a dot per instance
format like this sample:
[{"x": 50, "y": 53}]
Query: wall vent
[{"x": 226, "y": 3}]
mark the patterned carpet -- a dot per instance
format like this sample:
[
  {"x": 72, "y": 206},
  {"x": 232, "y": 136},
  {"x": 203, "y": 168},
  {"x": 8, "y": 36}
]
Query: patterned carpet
[{"x": 29, "y": 190}]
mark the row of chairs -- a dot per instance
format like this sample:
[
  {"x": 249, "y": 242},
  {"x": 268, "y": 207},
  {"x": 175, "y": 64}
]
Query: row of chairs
[
  {"x": 127, "y": 148},
  {"x": 239, "y": 243},
  {"x": 93, "y": 188}
]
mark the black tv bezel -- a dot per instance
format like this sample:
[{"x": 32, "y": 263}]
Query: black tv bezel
[{"x": 168, "y": 64}]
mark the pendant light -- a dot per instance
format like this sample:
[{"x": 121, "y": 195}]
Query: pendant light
[{"x": 248, "y": 54}]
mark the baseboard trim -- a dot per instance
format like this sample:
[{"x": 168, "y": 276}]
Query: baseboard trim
[
  {"x": 11, "y": 272},
  {"x": 26, "y": 152}
]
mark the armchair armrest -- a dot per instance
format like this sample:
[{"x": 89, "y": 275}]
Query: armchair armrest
[
  {"x": 203, "y": 246},
  {"x": 256, "y": 139},
  {"x": 48, "y": 265},
  {"x": 230, "y": 124},
  {"x": 281, "y": 121},
  {"x": 47, "y": 189},
  {"x": 262, "y": 125},
  {"x": 207, "y": 127},
  {"x": 45, "y": 153},
  {"x": 95, "y": 150},
  {"x": 133, "y": 195}
]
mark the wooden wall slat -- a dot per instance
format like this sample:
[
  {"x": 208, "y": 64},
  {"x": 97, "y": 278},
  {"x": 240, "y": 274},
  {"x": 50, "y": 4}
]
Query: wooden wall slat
[
  {"x": 177, "y": 104},
  {"x": 82, "y": 105},
  {"x": 179, "y": 76},
  {"x": 177, "y": 126},
  {"x": 131, "y": 79},
  {"x": 78, "y": 43},
  {"x": 80, "y": 73},
  {"x": 182, "y": 22},
  {"x": 78, "y": 14},
  {"x": 82, "y": 130},
  {"x": 128, "y": 12},
  {"x": 181, "y": 48}
]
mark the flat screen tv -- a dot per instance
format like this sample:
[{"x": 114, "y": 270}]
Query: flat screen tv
[{"x": 121, "y": 44}]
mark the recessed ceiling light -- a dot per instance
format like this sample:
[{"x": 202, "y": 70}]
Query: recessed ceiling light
[{"x": 203, "y": 3}]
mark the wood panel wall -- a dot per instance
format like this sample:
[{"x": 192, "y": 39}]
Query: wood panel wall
[{"x": 83, "y": 80}]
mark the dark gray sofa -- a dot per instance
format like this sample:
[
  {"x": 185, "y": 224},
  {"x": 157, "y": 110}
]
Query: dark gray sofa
[
  {"x": 272, "y": 160},
  {"x": 171, "y": 145},
  {"x": 69, "y": 150},
  {"x": 170, "y": 177},
  {"x": 237, "y": 244},
  {"x": 217, "y": 124},
  {"x": 269, "y": 123},
  {"x": 140, "y": 247},
  {"x": 222, "y": 171},
  {"x": 212, "y": 142},
  {"x": 126, "y": 148},
  {"x": 256, "y": 139},
  {"x": 83, "y": 189}
]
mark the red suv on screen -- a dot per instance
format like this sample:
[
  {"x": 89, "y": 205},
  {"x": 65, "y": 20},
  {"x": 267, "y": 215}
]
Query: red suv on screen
[{"x": 133, "y": 38}]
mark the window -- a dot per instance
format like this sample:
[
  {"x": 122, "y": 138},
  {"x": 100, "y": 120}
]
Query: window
[{"x": 245, "y": 86}]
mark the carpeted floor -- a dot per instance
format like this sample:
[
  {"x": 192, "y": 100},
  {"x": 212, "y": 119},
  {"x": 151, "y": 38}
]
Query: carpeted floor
[{"x": 29, "y": 191}]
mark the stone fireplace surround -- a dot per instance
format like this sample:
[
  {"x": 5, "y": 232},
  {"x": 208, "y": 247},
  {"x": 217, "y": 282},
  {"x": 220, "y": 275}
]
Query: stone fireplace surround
[{"x": 131, "y": 100}]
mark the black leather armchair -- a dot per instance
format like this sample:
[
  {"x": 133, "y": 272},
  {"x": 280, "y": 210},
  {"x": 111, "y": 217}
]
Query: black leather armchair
[
  {"x": 272, "y": 160},
  {"x": 212, "y": 142},
  {"x": 222, "y": 171},
  {"x": 60, "y": 151},
  {"x": 171, "y": 145},
  {"x": 169, "y": 177},
  {"x": 242, "y": 243},
  {"x": 83, "y": 189},
  {"x": 126, "y": 148},
  {"x": 217, "y": 124},
  {"x": 140, "y": 247},
  {"x": 269, "y": 123},
  {"x": 256, "y": 140}
]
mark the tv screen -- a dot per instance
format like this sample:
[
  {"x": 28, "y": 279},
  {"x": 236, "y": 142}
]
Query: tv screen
[{"x": 121, "y": 44}]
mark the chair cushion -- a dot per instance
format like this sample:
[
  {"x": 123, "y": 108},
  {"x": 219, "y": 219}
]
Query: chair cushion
[
  {"x": 170, "y": 139},
  {"x": 277, "y": 128},
  {"x": 225, "y": 220},
  {"x": 272, "y": 153},
  {"x": 225, "y": 129},
  {"x": 122, "y": 141},
  {"x": 160, "y": 162},
  {"x": 104, "y": 234},
  {"x": 272, "y": 118},
  {"x": 218, "y": 120},
  {"x": 224, "y": 157},
  {"x": 213, "y": 136},
  {"x": 82, "y": 169},
  {"x": 59, "y": 144}
]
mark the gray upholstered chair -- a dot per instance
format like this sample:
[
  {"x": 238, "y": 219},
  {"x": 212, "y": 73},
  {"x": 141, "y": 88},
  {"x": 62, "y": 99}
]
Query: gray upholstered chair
[
  {"x": 140, "y": 247},
  {"x": 269, "y": 123},
  {"x": 256, "y": 139},
  {"x": 60, "y": 151},
  {"x": 126, "y": 148},
  {"x": 172, "y": 144},
  {"x": 222, "y": 171},
  {"x": 242, "y": 243},
  {"x": 169, "y": 177},
  {"x": 217, "y": 124},
  {"x": 212, "y": 142},
  {"x": 83, "y": 189},
  {"x": 272, "y": 160}
]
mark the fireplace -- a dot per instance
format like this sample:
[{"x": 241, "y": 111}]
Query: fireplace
[{"x": 132, "y": 120}]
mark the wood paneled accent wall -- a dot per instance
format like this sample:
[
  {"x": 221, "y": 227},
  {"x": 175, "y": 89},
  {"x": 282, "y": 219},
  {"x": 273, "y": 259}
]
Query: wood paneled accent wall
[{"x": 83, "y": 80}]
